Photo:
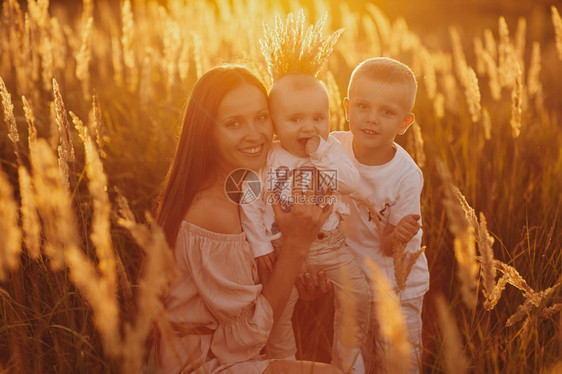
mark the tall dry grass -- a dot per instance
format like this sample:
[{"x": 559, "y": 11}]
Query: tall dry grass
[{"x": 74, "y": 291}]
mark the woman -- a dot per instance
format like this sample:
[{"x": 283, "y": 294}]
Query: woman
[{"x": 221, "y": 315}]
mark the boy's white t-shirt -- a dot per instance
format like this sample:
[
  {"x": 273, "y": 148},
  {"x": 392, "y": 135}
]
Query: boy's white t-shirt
[
  {"x": 394, "y": 190},
  {"x": 258, "y": 219}
]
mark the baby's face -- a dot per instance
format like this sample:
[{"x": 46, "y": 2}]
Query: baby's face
[{"x": 298, "y": 115}]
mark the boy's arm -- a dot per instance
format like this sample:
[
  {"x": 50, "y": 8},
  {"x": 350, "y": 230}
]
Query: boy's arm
[
  {"x": 330, "y": 155},
  {"x": 405, "y": 220}
]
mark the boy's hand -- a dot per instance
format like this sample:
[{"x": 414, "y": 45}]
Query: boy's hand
[
  {"x": 265, "y": 262},
  {"x": 407, "y": 228},
  {"x": 402, "y": 233},
  {"x": 312, "y": 144}
]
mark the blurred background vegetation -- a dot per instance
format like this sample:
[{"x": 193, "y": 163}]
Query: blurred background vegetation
[{"x": 141, "y": 59}]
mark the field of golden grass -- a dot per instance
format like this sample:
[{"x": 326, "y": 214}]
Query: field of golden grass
[{"x": 90, "y": 98}]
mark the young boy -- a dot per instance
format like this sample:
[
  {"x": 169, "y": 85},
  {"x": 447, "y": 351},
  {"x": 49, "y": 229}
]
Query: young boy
[
  {"x": 306, "y": 157},
  {"x": 381, "y": 95}
]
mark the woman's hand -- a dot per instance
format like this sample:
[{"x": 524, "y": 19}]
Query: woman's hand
[{"x": 300, "y": 225}]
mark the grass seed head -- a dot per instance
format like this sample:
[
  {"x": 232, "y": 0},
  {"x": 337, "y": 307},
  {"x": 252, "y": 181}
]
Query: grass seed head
[
  {"x": 391, "y": 321},
  {"x": 9, "y": 229}
]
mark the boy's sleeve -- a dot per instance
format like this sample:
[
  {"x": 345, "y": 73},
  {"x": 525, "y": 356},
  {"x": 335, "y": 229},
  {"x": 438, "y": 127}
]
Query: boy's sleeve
[
  {"x": 331, "y": 155},
  {"x": 252, "y": 218}
]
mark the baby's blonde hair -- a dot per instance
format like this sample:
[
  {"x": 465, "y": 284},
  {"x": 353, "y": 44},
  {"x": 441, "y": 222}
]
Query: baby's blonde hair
[{"x": 388, "y": 70}]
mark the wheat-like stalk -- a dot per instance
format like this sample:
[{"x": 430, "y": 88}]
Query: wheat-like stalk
[
  {"x": 96, "y": 127},
  {"x": 507, "y": 61},
  {"x": 288, "y": 48},
  {"x": 418, "y": 144},
  {"x": 485, "y": 242},
  {"x": 87, "y": 12},
  {"x": 550, "y": 311},
  {"x": 172, "y": 44},
  {"x": 83, "y": 59},
  {"x": 9, "y": 229},
  {"x": 336, "y": 115},
  {"x": 403, "y": 263},
  {"x": 145, "y": 84},
  {"x": 28, "y": 71},
  {"x": 494, "y": 295},
  {"x": 381, "y": 21},
  {"x": 517, "y": 103},
  {"x": 127, "y": 39},
  {"x": 117, "y": 61},
  {"x": 63, "y": 126},
  {"x": 519, "y": 40},
  {"x": 529, "y": 304},
  {"x": 493, "y": 77},
  {"x": 557, "y": 23},
  {"x": 200, "y": 66},
  {"x": 53, "y": 203},
  {"x": 159, "y": 273},
  {"x": 31, "y": 228},
  {"x": 472, "y": 92},
  {"x": 487, "y": 266},
  {"x": 516, "y": 280},
  {"x": 347, "y": 335},
  {"x": 101, "y": 227},
  {"x": 9, "y": 118},
  {"x": 455, "y": 359},
  {"x": 47, "y": 61},
  {"x": 53, "y": 126},
  {"x": 98, "y": 294},
  {"x": 464, "y": 242},
  {"x": 30, "y": 118},
  {"x": 459, "y": 58},
  {"x": 479, "y": 53},
  {"x": 429, "y": 77},
  {"x": 490, "y": 44},
  {"x": 62, "y": 244},
  {"x": 391, "y": 322},
  {"x": 439, "y": 105},
  {"x": 534, "y": 85},
  {"x": 450, "y": 91},
  {"x": 373, "y": 39},
  {"x": 486, "y": 53},
  {"x": 16, "y": 43},
  {"x": 465, "y": 254}
]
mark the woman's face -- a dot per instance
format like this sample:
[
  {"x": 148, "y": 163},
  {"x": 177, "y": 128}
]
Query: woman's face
[{"x": 244, "y": 130}]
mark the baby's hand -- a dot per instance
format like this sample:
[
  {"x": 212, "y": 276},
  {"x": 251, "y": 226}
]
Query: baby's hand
[
  {"x": 265, "y": 262},
  {"x": 312, "y": 144},
  {"x": 407, "y": 228},
  {"x": 309, "y": 291}
]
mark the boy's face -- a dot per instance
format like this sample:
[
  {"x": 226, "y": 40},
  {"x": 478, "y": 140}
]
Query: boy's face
[
  {"x": 299, "y": 115},
  {"x": 377, "y": 111}
]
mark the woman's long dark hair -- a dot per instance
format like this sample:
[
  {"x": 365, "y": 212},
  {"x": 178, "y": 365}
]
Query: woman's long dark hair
[{"x": 195, "y": 153}]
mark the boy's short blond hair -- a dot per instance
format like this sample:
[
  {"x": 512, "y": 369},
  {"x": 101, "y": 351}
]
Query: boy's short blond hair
[{"x": 388, "y": 70}]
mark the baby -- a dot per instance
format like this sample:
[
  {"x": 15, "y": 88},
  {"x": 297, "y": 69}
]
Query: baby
[{"x": 306, "y": 157}]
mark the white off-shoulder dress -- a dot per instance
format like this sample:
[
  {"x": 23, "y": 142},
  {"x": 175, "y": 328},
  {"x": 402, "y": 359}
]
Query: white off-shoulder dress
[{"x": 220, "y": 318}]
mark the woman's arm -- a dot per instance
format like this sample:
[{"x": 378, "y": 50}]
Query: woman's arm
[{"x": 299, "y": 228}]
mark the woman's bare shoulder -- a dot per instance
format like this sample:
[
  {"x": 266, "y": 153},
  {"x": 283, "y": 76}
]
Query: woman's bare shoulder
[{"x": 216, "y": 215}]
